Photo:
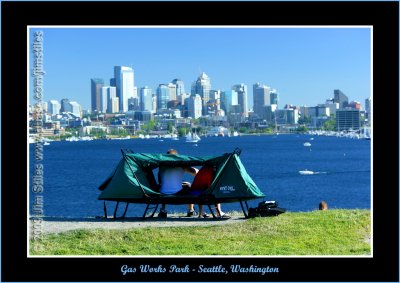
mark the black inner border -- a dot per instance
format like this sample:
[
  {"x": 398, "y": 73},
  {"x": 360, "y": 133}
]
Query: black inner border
[{"x": 384, "y": 18}]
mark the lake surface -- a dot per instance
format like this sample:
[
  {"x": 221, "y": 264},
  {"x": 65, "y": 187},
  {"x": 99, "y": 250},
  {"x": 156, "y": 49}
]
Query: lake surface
[{"x": 74, "y": 170}]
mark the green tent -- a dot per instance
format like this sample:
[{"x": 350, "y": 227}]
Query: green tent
[{"x": 133, "y": 180}]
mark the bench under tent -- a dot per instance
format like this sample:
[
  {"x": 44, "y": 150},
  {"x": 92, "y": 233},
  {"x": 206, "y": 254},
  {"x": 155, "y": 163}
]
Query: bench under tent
[{"x": 133, "y": 181}]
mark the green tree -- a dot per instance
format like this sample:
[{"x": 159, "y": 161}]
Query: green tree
[
  {"x": 329, "y": 125},
  {"x": 149, "y": 126},
  {"x": 302, "y": 129}
]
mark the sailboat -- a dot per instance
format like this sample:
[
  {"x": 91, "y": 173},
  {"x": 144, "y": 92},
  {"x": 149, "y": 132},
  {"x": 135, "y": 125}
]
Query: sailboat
[{"x": 192, "y": 137}]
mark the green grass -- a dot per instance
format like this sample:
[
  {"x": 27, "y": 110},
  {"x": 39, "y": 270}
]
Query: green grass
[{"x": 333, "y": 232}]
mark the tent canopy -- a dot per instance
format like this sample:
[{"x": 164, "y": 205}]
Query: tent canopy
[{"x": 133, "y": 179}]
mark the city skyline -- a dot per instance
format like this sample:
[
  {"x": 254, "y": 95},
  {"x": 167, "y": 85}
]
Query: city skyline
[{"x": 304, "y": 65}]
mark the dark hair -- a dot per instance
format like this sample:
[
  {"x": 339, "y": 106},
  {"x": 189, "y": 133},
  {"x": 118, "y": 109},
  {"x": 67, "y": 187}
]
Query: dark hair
[{"x": 172, "y": 151}]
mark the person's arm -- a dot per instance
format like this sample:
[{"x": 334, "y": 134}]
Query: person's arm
[{"x": 191, "y": 170}]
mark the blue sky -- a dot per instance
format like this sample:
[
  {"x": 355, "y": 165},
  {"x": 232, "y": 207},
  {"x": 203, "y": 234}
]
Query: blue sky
[{"x": 304, "y": 65}]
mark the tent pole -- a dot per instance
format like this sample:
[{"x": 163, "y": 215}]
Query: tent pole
[
  {"x": 140, "y": 185},
  {"x": 126, "y": 209},
  {"x": 105, "y": 210},
  {"x": 244, "y": 211},
  {"x": 115, "y": 211},
  {"x": 212, "y": 211}
]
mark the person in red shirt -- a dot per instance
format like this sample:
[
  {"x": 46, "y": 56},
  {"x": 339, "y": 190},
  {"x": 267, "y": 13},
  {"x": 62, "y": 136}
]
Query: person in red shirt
[{"x": 201, "y": 183}]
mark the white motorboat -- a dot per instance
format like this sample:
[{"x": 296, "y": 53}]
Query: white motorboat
[{"x": 306, "y": 172}]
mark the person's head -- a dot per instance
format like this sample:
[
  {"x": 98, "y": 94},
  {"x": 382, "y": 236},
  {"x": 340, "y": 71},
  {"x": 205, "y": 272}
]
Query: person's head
[{"x": 172, "y": 151}]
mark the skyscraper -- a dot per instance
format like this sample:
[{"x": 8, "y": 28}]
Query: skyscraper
[
  {"x": 96, "y": 85},
  {"x": 180, "y": 87},
  {"x": 162, "y": 96},
  {"x": 107, "y": 93},
  {"x": 241, "y": 90},
  {"x": 261, "y": 98},
  {"x": 202, "y": 87},
  {"x": 229, "y": 99},
  {"x": 274, "y": 96},
  {"x": 340, "y": 98},
  {"x": 124, "y": 82},
  {"x": 172, "y": 91},
  {"x": 64, "y": 103},
  {"x": 146, "y": 99}
]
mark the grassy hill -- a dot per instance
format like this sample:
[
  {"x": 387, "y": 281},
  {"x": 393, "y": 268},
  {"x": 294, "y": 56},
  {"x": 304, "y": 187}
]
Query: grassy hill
[{"x": 332, "y": 232}]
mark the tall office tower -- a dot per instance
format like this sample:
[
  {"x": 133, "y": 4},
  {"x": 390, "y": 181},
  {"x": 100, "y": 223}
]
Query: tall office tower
[
  {"x": 64, "y": 103},
  {"x": 261, "y": 98},
  {"x": 274, "y": 96},
  {"x": 145, "y": 99},
  {"x": 229, "y": 99},
  {"x": 194, "y": 106},
  {"x": 172, "y": 91},
  {"x": 180, "y": 87},
  {"x": 242, "y": 99},
  {"x": 340, "y": 98},
  {"x": 96, "y": 85},
  {"x": 368, "y": 108},
  {"x": 202, "y": 87},
  {"x": 54, "y": 107},
  {"x": 162, "y": 96},
  {"x": 107, "y": 92},
  {"x": 124, "y": 82},
  {"x": 112, "y": 82}
]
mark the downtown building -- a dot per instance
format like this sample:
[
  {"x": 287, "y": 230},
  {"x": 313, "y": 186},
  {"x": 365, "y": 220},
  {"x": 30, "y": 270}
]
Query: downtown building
[
  {"x": 162, "y": 97},
  {"x": 194, "y": 106},
  {"x": 348, "y": 119},
  {"x": 125, "y": 85},
  {"x": 107, "y": 95},
  {"x": 341, "y": 98},
  {"x": 202, "y": 87},
  {"x": 241, "y": 90},
  {"x": 96, "y": 85},
  {"x": 145, "y": 98}
]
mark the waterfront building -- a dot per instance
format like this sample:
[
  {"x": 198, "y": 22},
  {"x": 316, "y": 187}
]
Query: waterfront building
[
  {"x": 241, "y": 90},
  {"x": 347, "y": 119},
  {"x": 340, "y": 98},
  {"x": 96, "y": 85},
  {"x": 124, "y": 82},
  {"x": 145, "y": 99}
]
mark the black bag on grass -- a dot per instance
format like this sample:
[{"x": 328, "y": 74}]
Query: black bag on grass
[{"x": 265, "y": 209}]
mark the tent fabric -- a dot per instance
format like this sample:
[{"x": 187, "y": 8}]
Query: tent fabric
[{"x": 133, "y": 179}]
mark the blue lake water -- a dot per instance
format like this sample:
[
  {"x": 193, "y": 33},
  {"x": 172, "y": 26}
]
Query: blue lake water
[{"x": 74, "y": 170}]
